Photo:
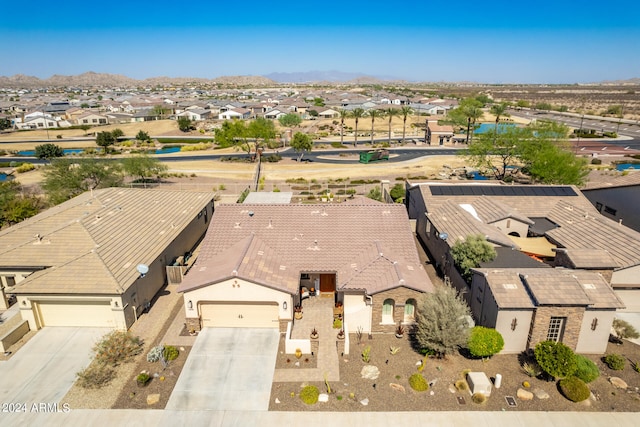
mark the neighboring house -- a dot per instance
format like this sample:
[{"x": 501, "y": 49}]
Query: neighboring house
[
  {"x": 436, "y": 134},
  {"x": 76, "y": 263},
  {"x": 327, "y": 113},
  {"x": 618, "y": 198},
  {"x": 257, "y": 262},
  {"x": 556, "y": 225},
  {"x": 92, "y": 119},
  {"x": 276, "y": 113},
  {"x": 38, "y": 122},
  {"x": 195, "y": 115},
  {"x": 235, "y": 113}
]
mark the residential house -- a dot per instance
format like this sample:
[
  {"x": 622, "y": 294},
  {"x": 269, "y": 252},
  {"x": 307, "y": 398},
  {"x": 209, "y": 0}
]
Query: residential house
[
  {"x": 436, "y": 134},
  {"x": 92, "y": 119},
  {"x": 556, "y": 225},
  {"x": 276, "y": 113},
  {"x": 195, "y": 115},
  {"x": 235, "y": 113},
  {"x": 100, "y": 258},
  {"x": 617, "y": 198},
  {"x": 257, "y": 262}
]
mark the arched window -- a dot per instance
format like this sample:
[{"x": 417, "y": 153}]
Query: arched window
[
  {"x": 410, "y": 310},
  {"x": 387, "y": 311}
]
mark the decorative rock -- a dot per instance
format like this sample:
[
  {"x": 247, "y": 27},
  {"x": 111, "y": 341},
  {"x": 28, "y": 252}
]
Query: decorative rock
[
  {"x": 277, "y": 400},
  {"x": 524, "y": 394},
  {"x": 419, "y": 363},
  {"x": 586, "y": 402},
  {"x": 364, "y": 402},
  {"x": 181, "y": 348},
  {"x": 156, "y": 375},
  {"x": 323, "y": 397},
  {"x": 433, "y": 382},
  {"x": 152, "y": 399},
  {"x": 297, "y": 364},
  {"x": 397, "y": 387},
  {"x": 452, "y": 388},
  {"x": 431, "y": 393},
  {"x": 370, "y": 372},
  {"x": 618, "y": 382},
  {"x": 540, "y": 394}
]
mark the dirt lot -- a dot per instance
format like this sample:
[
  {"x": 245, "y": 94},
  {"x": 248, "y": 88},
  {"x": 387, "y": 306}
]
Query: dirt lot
[{"x": 442, "y": 374}]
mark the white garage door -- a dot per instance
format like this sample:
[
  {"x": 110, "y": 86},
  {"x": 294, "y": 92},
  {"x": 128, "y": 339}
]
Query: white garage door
[
  {"x": 239, "y": 315},
  {"x": 75, "y": 313}
]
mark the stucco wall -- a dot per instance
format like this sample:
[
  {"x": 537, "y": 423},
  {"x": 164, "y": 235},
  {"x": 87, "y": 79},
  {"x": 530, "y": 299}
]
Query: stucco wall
[
  {"x": 628, "y": 277},
  {"x": 357, "y": 313},
  {"x": 515, "y": 340},
  {"x": 235, "y": 290},
  {"x": 510, "y": 225},
  {"x": 400, "y": 296},
  {"x": 595, "y": 341}
]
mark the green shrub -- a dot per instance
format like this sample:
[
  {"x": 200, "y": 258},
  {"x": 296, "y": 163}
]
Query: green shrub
[
  {"x": 418, "y": 383},
  {"x": 95, "y": 376},
  {"x": 196, "y": 147},
  {"x": 587, "y": 371},
  {"x": 170, "y": 353},
  {"x": 337, "y": 324},
  {"x": 596, "y": 161},
  {"x": 309, "y": 394},
  {"x": 636, "y": 366},
  {"x": 485, "y": 342},
  {"x": 574, "y": 389},
  {"x": 478, "y": 398},
  {"x": 25, "y": 167},
  {"x": 366, "y": 354},
  {"x": 143, "y": 378},
  {"x": 117, "y": 347},
  {"x": 555, "y": 358},
  {"x": 614, "y": 361},
  {"x": 461, "y": 385},
  {"x": 336, "y": 144}
]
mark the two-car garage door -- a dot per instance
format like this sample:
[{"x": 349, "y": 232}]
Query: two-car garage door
[
  {"x": 75, "y": 313},
  {"x": 239, "y": 314}
]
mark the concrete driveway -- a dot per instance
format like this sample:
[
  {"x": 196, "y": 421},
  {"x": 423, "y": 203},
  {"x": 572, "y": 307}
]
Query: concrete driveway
[
  {"x": 228, "y": 369},
  {"x": 44, "y": 369}
]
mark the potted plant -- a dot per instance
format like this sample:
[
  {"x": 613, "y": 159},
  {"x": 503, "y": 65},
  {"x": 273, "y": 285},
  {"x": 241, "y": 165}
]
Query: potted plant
[
  {"x": 399, "y": 331},
  {"x": 297, "y": 312},
  {"x": 340, "y": 334},
  {"x": 314, "y": 334}
]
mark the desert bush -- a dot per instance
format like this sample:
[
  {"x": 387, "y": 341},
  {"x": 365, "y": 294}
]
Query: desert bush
[
  {"x": 555, "y": 358},
  {"x": 336, "y": 144},
  {"x": 309, "y": 394},
  {"x": 461, "y": 385},
  {"x": 155, "y": 353},
  {"x": 478, "y": 398},
  {"x": 418, "y": 383},
  {"x": 636, "y": 366},
  {"x": 143, "y": 378},
  {"x": 95, "y": 376},
  {"x": 366, "y": 354},
  {"x": 574, "y": 389},
  {"x": 117, "y": 347},
  {"x": 196, "y": 147},
  {"x": 596, "y": 161},
  {"x": 170, "y": 353},
  {"x": 624, "y": 329},
  {"x": 25, "y": 167},
  {"x": 485, "y": 342},
  {"x": 532, "y": 368},
  {"x": 586, "y": 370},
  {"x": 337, "y": 324},
  {"x": 614, "y": 361}
]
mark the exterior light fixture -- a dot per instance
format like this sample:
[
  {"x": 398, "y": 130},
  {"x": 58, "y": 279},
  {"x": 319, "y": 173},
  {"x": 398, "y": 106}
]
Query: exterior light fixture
[
  {"x": 594, "y": 324},
  {"x": 190, "y": 305},
  {"x": 514, "y": 323},
  {"x": 284, "y": 305}
]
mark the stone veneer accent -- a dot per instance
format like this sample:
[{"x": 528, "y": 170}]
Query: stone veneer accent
[
  {"x": 193, "y": 323},
  {"x": 400, "y": 296},
  {"x": 542, "y": 317}
]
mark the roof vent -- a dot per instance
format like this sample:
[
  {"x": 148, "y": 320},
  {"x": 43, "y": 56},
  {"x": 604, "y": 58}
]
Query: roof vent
[
  {"x": 250, "y": 213},
  {"x": 510, "y": 286},
  {"x": 234, "y": 272},
  {"x": 588, "y": 286},
  {"x": 283, "y": 267},
  {"x": 237, "y": 225},
  {"x": 260, "y": 253},
  {"x": 270, "y": 224}
]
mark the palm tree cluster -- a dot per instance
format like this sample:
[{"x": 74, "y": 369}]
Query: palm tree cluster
[{"x": 390, "y": 113}]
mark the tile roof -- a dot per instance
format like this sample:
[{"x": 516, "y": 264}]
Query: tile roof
[
  {"x": 530, "y": 287},
  {"x": 319, "y": 238},
  {"x": 94, "y": 242},
  {"x": 631, "y": 179},
  {"x": 589, "y": 258}
]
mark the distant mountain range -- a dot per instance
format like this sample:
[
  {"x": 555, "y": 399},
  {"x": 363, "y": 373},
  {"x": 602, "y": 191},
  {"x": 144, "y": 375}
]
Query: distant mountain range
[{"x": 92, "y": 79}]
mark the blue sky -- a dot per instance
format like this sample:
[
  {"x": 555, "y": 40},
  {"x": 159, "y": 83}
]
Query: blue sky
[{"x": 493, "y": 42}]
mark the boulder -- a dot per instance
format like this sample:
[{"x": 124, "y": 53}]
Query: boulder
[
  {"x": 277, "y": 400},
  {"x": 364, "y": 402},
  {"x": 540, "y": 394},
  {"x": 618, "y": 383},
  {"x": 452, "y": 388},
  {"x": 323, "y": 397},
  {"x": 524, "y": 394},
  {"x": 152, "y": 399},
  {"x": 370, "y": 372},
  {"x": 397, "y": 387}
]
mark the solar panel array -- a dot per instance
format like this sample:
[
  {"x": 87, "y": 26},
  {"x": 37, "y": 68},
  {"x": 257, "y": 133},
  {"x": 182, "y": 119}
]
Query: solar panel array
[{"x": 501, "y": 190}]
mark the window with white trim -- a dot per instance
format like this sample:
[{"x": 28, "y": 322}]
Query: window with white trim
[
  {"x": 410, "y": 310},
  {"x": 387, "y": 311},
  {"x": 556, "y": 329}
]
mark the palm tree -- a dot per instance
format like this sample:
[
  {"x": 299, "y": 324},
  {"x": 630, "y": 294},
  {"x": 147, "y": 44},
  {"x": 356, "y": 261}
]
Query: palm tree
[
  {"x": 374, "y": 114},
  {"x": 499, "y": 110},
  {"x": 405, "y": 112},
  {"x": 343, "y": 115},
  {"x": 473, "y": 113},
  {"x": 357, "y": 113},
  {"x": 390, "y": 113}
]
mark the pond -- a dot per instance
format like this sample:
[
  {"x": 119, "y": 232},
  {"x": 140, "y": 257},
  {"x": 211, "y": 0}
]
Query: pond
[
  {"x": 168, "y": 150},
  {"x": 66, "y": 151},
  {"x": 625, "y": 166},
  {"x": 3, "y": 177},
  {"x": 487, "y": 127}
]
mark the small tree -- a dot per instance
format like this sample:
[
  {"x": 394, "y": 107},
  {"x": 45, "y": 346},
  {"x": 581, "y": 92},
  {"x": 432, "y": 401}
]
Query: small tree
[
  {"x": 143, "y": 136},
  {"x": 397, "y": 192},
  {"x": 441, "y": 321},
  {"x": 624, "y": 330},
  {"x": 290, "y": 120},
  {"x": 143, "y": 166},
  {"x": 470, "y": 252},
  {"x": 485, "y": 342},
  {"x": 375, "y": 194},
  {"x": 48, "y": 151},
  {"x": 301, "y": 142},
  {"x": 556, "y": 359},
  {"x": 105, "y": 140},
  {"x": 117, "y": 133},
  {"x": 185, "y": 124}
]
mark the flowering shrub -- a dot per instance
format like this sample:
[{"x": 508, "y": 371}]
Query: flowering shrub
[{"x": 117, "y": 347}]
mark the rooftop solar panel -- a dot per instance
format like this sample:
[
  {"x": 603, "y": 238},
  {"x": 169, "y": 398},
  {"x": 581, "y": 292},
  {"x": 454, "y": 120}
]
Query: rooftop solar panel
[{"x": 499, "y": 190}]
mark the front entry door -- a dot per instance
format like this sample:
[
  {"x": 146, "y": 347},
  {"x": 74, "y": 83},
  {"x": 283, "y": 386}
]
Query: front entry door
[{"x": 327, "y": 283}]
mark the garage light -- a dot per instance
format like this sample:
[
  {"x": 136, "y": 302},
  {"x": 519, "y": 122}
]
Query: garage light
[
  {"x": 190, "y": 305},
  {"x": 284, "y": 305}
]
